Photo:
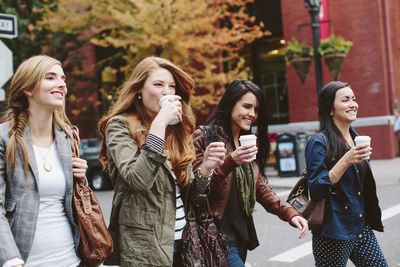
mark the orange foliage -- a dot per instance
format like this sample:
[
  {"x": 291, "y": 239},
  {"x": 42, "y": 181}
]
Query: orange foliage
[{"x": 202, "y": 36}]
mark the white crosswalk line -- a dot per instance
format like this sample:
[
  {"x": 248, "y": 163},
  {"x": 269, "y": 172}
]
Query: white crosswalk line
[
  {"x": 305, "y": 249},
  {"x": 283, "y": 193},
  {"x": 294, "y": 254},
  {"x": 390, "y": 212}
]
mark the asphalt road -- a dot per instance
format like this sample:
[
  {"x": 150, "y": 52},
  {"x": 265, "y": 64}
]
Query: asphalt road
[{"x": 279, "y": 243}]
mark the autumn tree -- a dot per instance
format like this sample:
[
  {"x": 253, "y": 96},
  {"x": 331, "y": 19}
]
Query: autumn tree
[
  {"x": 35, "y": 38},
  {"x": 204, "y": 37}
]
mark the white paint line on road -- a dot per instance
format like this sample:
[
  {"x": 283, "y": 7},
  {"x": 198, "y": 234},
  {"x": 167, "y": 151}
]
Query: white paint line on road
[
  {"x": 294, "y": 254},
  {"x": 390, "y": 212},
  {"x": 283, "y": 193},
  {"x": 305, "y": 249}
]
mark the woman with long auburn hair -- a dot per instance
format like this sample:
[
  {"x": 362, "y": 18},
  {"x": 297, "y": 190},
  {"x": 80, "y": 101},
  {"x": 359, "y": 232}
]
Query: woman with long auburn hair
[
  {"x": 37, "y": 169},
  {"x": 149, "y": 160}
]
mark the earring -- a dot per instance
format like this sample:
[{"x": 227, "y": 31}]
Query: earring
[{"x": 139, "y": 97}]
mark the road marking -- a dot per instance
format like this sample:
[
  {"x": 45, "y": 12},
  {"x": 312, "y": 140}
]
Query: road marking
[
  {"x": 294, "y": 254},
  {"x": 283, "y": 193},
  {"x": 390, "y": 212},
  {"x": 305, "y": 249}
]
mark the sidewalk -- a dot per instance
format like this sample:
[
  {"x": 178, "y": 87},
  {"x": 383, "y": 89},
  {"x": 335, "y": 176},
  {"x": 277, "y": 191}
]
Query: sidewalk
[{"x": 384, "y": 170}]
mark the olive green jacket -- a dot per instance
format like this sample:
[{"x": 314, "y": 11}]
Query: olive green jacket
[{"x": 142, "y": 219}]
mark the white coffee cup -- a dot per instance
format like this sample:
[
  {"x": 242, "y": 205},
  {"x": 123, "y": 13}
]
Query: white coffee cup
[
  {"x": 164, "y": 100},
  {"x": 248, "y": 140},
  {"x": 363, "y": 140}
]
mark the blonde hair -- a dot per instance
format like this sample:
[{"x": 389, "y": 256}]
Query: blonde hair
[
  {"x": 27, "y": 77},
  {"x": 178, "y": 139}
]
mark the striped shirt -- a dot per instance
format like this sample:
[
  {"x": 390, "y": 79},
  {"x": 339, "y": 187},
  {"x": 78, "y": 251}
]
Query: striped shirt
[{"x": 157, "y": 144}]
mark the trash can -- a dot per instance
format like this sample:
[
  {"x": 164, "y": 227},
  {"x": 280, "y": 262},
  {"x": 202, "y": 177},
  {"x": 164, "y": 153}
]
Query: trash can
[{"x": 286, "y": 155}]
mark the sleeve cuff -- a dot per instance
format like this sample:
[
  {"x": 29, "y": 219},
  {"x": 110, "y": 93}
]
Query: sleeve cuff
[
  {"x": 13, "y": 262},
  {"x": 155, "y": 142},
  {"x": 228, "y": 166}
]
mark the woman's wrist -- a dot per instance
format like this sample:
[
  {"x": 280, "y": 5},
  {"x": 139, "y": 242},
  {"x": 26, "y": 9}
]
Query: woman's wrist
[{"x": 205, "y": 173}]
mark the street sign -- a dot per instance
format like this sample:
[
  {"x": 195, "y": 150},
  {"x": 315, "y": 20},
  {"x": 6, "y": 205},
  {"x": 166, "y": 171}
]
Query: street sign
[
  {"x": 8, "y": 26},
  {"x": 6, "y": 64}
]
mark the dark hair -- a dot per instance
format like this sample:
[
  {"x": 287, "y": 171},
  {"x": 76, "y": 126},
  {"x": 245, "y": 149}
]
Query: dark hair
[
  {"x": 336, "y": 146},
  {"x": 221, "y": 116}
]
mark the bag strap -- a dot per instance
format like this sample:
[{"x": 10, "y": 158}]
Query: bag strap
[
  {"x": 75, "y": 142},
  {"x": 207, "y": 130}
]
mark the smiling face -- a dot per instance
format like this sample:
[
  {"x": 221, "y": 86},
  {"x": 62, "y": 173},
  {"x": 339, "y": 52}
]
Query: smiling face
[
  {"x": 345, "y": 106},
  {"x": 159, "y": 83},
  {"x": 244, "y": 112},
  {"x": 51, "y": 90}
]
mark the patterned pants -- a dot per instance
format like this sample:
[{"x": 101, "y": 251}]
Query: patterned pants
[{"x": 330, "y": 252}]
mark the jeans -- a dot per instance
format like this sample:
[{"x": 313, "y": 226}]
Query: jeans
[
  {"x": 177, "y": 261},
  {"x": 238, "y": 254}
]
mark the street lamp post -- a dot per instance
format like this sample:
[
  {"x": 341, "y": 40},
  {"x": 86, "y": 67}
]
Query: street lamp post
[{"x": 314, "y": 7}]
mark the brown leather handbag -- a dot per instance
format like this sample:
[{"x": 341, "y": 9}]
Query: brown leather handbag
[
  {"x": 311, "y": 210},
  {"x": 96, "y": 242}
]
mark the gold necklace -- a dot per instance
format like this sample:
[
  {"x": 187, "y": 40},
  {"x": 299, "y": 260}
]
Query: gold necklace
[{"x": 46, "y": 165}]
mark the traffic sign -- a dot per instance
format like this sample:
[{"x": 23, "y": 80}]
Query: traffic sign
[
  {"x": 8, "y": 26},
  {"x": 6, "y": 64}
]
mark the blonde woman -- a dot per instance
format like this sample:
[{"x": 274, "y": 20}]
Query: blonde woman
[
  {"x": 36, "y": 170},
  {"x": 150, "y": 164}
]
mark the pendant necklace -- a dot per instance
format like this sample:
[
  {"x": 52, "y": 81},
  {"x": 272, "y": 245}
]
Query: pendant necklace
[{"x": 46, "y": 165}]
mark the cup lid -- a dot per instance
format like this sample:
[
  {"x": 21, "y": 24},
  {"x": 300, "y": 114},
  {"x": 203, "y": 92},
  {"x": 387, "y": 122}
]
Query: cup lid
[
  {"x": 362, "y": 137},
  {"x": 247, "y": 137}
]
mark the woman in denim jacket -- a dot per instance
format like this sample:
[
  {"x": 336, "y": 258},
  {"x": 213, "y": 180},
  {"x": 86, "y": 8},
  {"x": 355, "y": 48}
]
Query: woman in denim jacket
[{"x": 338, "y": 172}]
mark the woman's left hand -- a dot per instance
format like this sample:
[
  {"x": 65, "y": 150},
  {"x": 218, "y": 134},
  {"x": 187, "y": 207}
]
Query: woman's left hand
[
  {"x": 301, "y": 224},
  {"x": 79, "y": 167},
  {"x": 214, "y": 156}
]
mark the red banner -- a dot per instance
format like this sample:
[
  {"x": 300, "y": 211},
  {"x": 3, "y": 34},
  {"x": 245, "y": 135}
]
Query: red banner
[{"x": 324, "y": 28}]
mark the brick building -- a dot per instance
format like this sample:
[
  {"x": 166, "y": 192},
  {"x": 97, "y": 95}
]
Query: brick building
[{"x": 372, "y": 67}]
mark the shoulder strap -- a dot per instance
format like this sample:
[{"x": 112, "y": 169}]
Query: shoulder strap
[
  {"x": 75, "y": 142},
  {"x": 207, "y": 130}
]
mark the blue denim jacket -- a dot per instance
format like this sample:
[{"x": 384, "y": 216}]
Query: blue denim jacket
[{"x": 350, "y": 203}]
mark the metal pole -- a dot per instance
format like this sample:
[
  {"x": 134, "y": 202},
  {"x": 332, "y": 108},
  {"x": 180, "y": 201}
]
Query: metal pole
[{"x": 314, "y": 11}]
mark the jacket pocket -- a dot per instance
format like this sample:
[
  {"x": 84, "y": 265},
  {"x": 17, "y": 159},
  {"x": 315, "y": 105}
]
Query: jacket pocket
[
  {"x": 10, "y": 206},
  {"x": 137, "y": 217},
  {"x": 340, "y": 207},
  {"x": 137, "y": 235}
]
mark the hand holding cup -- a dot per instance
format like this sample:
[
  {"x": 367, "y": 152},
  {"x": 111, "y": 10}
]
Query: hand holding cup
[
  {"x": 214, "y": 156},
  {"x": 172, "y": 103},
  {"x": 363, "y": 140},
  {"x": 247, "y": 151}
]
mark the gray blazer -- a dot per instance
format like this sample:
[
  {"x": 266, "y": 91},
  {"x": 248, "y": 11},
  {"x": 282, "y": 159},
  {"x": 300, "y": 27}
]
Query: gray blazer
[{"x": 19, "y": 201}]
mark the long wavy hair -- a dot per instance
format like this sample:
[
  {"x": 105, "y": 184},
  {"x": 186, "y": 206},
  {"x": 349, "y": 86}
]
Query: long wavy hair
[
  {"x": 28, "y": 77},
  {"x": 178, "y": 140},
  {"x": 337, "y": 145},
  {"x": 221, "y": 116}
]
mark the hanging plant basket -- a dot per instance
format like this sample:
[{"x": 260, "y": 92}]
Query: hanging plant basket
[
  {"x": 301, "y": 65},
  {"x": 299, "y": 55},
  {"x": 334, "y": 62}
]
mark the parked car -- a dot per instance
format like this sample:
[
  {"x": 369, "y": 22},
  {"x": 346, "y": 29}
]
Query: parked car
[{"x": 97, "y": 178}]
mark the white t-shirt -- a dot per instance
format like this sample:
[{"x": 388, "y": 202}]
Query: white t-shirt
[{"x": 53, "y": 243}]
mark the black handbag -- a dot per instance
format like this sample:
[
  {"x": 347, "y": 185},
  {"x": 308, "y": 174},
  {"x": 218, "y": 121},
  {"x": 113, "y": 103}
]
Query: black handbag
[{"x": 312, "y": 211}]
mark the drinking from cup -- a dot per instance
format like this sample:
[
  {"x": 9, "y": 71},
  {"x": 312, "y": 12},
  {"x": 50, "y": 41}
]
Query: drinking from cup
[{"x": 164, "y": 100}]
